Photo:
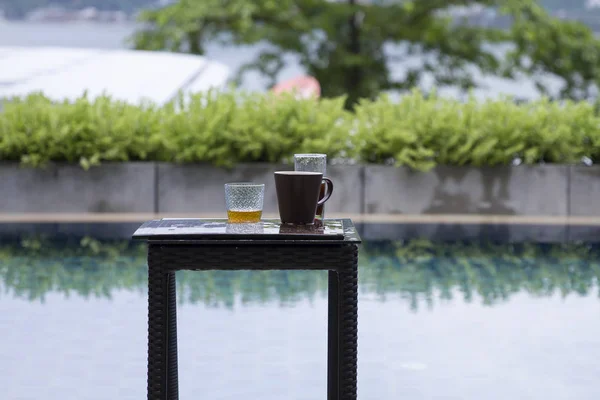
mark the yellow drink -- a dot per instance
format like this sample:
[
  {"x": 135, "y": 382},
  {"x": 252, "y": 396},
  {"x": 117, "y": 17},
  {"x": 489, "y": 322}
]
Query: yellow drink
[{"x": 235, "y": 216}]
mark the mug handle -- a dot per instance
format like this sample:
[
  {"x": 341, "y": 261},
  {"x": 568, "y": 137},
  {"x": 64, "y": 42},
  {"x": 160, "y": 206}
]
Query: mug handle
[{"x": 328, "y": 193}]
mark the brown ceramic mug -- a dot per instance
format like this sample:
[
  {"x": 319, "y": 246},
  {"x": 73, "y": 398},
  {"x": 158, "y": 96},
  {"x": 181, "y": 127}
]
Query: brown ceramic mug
[{"x": 298, "y": 195}]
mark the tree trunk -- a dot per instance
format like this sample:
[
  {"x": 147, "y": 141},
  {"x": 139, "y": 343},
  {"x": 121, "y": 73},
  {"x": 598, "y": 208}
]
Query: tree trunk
[{"x": 355, "y": 75}]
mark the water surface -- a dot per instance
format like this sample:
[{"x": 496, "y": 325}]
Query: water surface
[{"x": 443, "y": 321}]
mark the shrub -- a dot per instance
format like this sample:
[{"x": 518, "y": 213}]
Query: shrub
[
  {"x": 423, "y": 132},
  {"x": 222, "y": 129},
  {"x": 228, "y": 128},
  {"x": 34, "y": 130}
]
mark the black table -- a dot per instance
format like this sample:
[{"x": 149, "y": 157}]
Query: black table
[{"x": 202, "y": 244}]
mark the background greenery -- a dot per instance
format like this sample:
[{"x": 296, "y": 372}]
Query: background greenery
[
  {"x": 228, "y": 128},
  {"x": 418, "y": 271},
  {"x": 362, "y": 48}
]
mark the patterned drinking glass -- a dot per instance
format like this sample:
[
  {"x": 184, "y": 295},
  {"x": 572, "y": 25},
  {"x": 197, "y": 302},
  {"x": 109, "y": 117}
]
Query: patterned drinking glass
[
  {"x": 244, "y": 201},
  {"x": 313, "y": 163},
  {"x": 251, "y": 228}
]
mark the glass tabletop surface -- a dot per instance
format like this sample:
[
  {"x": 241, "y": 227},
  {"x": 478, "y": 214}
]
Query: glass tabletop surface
[{"x": 268, "y": 229}]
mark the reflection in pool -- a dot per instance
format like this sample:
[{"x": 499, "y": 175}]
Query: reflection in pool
[{"x": 447, "y": 321}]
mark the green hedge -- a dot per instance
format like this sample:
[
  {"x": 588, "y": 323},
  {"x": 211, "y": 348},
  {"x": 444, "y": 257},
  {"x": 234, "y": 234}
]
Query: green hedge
[{"x": 228, "y": 128}]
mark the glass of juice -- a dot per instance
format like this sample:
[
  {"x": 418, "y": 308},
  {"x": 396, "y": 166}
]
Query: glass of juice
[{"x": 244, "y": 202}]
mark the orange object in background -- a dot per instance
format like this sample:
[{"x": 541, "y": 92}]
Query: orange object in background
[{"x": 303, "y": 86}]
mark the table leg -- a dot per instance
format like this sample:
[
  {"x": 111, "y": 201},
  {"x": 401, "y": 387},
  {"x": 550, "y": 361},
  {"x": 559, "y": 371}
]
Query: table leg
[
  {"x": 173, "y": 376},
  {"x": 348, "y": 331},
  {"x": 162, "y": 334},
  {"x": 333, "y": 338}
]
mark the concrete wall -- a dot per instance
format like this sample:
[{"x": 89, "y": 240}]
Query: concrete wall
[
  {"x": 196, "y": 188},
  {"x": 545, "y": 190},
  {"x": 537, "y": 190},
  {"x": 118, "y": 187}
]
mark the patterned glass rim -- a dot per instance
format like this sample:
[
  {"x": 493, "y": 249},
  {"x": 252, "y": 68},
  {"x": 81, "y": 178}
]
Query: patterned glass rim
[
  {"x": 245, "y": 184},
  {"x": 310, "y": 155}
]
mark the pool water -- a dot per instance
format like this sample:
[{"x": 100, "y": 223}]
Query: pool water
[{"x": 436, "y": 321}]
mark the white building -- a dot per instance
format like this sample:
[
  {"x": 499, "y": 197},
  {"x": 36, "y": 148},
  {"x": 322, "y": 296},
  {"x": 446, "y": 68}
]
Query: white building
[{"x": 133, "y": 76}]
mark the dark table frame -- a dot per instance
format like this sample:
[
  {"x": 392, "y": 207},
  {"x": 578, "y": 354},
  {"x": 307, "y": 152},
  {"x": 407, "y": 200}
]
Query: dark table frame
[{"x": 339, "y": 257}]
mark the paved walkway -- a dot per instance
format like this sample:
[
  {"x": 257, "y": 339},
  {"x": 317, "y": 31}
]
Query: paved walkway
[{"x": 374, "y": 218}]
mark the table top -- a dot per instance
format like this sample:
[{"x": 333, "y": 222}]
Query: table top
[{"x": 199, "y": 230}]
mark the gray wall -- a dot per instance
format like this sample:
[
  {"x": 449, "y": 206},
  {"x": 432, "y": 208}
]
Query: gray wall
[
  {"x": 545, "y": 190},
  {"x": 118, "y": 187}
]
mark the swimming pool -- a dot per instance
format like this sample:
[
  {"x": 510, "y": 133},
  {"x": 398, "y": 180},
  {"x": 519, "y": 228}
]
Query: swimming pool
[{"x": 437, "y": 320}]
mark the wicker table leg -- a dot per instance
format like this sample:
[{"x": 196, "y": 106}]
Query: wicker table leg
[
  {"x": 333, "y": 338},
  {"x": 348, "y": 330},
  {"x": 162, "y": 334},
  {"x": 173, "y": 368}
]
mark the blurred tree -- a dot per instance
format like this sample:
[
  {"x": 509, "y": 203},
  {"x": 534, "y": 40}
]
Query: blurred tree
[{"x": 350, "y": 45}]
